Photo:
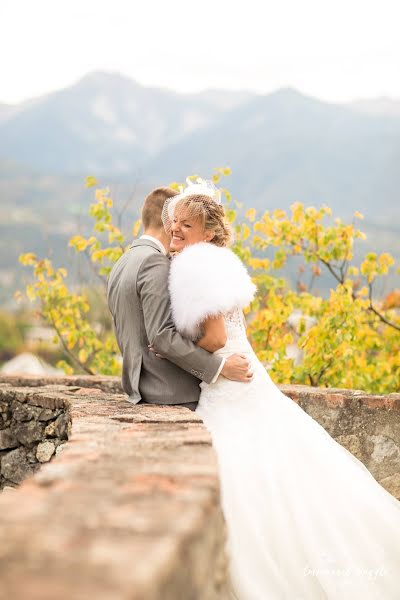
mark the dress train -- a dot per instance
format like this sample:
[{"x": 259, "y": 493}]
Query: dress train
[{"x": 306, "y": 520}]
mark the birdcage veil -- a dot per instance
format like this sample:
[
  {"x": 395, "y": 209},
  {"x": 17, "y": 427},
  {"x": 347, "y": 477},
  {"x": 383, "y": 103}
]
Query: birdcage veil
[{"x": 192, "y": 200}]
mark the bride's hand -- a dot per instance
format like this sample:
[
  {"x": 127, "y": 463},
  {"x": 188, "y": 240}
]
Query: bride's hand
[{"x": 151, "y": 348}]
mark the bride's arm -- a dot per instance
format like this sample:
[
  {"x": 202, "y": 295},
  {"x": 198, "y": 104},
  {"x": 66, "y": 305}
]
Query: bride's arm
[{"x": 214, "y": 334}]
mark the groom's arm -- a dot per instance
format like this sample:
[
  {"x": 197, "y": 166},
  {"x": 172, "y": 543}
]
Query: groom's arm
[{"x": 152, "y": 287}]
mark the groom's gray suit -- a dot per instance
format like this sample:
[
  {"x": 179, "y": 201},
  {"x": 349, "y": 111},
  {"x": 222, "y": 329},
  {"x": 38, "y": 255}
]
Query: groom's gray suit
[{"x": 139, "y": 302}]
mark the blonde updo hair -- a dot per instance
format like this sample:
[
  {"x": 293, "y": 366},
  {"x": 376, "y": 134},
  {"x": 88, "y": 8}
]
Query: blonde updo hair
[{"x": 212, "y": 215}]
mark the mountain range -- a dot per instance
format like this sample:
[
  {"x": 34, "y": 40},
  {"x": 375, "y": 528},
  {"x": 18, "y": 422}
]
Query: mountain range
[
  {"x": 105, "y": 123},
  {"x": 282, "y": 147}
]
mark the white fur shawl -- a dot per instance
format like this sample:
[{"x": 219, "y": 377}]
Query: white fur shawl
[{"x": 206, "y": 280}]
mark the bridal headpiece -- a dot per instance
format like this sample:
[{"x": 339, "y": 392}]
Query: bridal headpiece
[{"x": 203, "y": 192}]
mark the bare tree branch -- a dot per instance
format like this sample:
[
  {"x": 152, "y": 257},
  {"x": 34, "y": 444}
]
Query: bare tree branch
[{"x": 377, "y": 313}]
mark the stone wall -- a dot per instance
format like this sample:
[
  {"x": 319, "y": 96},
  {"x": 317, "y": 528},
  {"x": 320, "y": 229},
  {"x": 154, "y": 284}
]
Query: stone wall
[
  {"x": 128, "y": 510},
  {"x": 31, "y": 431},
  {"x": 131, "y": 507},
  {"x": 366, "y": 424}
]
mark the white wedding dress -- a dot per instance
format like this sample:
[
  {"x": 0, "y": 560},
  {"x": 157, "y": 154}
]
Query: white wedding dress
[{"x": 306, "y": 520}]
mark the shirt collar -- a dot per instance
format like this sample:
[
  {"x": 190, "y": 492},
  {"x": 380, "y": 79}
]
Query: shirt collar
[{"x": 156, "y": 241}]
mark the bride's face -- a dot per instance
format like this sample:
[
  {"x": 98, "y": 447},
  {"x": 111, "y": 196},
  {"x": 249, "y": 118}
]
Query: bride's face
[{"x": 186, "y": 230}]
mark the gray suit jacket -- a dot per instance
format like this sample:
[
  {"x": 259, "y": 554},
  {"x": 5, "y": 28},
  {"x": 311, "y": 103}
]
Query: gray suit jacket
[{"x": 138, "y": 299}]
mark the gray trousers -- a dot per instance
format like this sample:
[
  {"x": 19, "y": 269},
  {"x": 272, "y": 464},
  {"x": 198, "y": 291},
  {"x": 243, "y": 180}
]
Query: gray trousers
[{"x": 190, "y": 405}]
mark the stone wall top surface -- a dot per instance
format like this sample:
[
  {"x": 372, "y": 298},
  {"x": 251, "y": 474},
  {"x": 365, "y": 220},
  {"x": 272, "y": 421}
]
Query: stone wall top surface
[
  {"x": 330, "y": 396},
  {"x": 131, "y": 508},
  {"x": 132, "y": 499}
]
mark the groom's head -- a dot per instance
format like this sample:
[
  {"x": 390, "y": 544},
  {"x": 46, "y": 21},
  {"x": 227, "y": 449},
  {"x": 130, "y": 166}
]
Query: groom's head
[{"x": 151, "y": 213}]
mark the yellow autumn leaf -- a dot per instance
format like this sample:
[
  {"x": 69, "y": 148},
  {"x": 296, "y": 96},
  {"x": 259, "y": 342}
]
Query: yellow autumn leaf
[
  {"x": 279, "y": 213},
  {"x": 90, "y": 181},
  {"x": 245, "y": 232},
  {"x": 136, "y": 227},
  {"x": 83, "y": 355},
  {"x": 251, "y": 214},
  {"x": 62, "y": 364},
  {"x": 27, "y": 259},
  {"x": 30, "y": 292},
  {"x": 228, "y": 195}
]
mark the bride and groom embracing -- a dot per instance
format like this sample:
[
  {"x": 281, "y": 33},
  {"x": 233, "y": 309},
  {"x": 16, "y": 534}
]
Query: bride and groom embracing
[{"x": 305, "y": 518}]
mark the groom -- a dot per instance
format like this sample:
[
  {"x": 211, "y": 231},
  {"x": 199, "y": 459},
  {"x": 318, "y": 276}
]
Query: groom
[{"x": 138, "y": 300}]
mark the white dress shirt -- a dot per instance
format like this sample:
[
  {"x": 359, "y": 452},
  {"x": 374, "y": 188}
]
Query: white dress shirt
[
  {"x": 163, "y": 250},
  {"x": 156, "y": 241}
]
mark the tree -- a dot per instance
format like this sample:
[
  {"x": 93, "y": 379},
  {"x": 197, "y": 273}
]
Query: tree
[{"x": 353, "y": 341}]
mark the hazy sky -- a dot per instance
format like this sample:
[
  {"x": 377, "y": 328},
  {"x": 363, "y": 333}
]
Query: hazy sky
[{"x": 336, "y": 50}]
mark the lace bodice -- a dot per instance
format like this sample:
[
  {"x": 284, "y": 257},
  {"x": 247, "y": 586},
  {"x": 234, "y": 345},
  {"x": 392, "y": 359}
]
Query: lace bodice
[
  {"x": 235, "y": 323},
  {"x": 236, "y": 334}
]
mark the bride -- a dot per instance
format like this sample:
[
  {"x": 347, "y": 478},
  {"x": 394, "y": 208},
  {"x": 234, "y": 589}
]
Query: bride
[{"x": 306, "y": 520}]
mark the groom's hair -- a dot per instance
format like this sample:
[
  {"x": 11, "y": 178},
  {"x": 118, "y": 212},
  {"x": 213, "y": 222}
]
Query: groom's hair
[{"x": 153, "y": 206}]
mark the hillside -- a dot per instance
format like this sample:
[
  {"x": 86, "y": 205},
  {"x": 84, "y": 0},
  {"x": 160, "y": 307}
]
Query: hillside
[
  {"x": 282, "y": 147},
  {"x": 286, "y": 146},
  {"x": 105, "y": 123}
]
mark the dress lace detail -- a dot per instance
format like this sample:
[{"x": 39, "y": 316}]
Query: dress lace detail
[
  {"x": 306, "y": 519},
  {"x": 235, "y": 326}
]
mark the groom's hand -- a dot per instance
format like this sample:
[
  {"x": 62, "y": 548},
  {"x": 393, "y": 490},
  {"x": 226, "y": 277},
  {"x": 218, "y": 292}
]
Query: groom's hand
[{"x": 237, "y": 368}]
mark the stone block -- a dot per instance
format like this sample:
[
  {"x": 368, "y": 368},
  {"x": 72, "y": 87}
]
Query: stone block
[
  {"x": 24, "y": 412},
  {"x": 62, "y": 426},
  {"x": 45, "y": 451},
  {"x": 46, "y": 414},
  {"x": 28, "y": 433},
  {"x": 7, "y": 439},
  {"x": 15, "y": 466}
]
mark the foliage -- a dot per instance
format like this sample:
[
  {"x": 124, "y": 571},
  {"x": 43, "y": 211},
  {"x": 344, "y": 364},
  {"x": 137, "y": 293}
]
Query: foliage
[
  {"x": 352, "y": 343},
  {"x": 345, "y": 340},
  {"x": 12, "y": 329},
  {"x": 86, "y": 349}
]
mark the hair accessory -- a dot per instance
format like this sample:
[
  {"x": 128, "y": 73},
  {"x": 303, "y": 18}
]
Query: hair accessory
[{"x": 203, "y": 188}]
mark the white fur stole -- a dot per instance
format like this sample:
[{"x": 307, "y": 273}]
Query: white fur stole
[{"x": 206, "y": 280}]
